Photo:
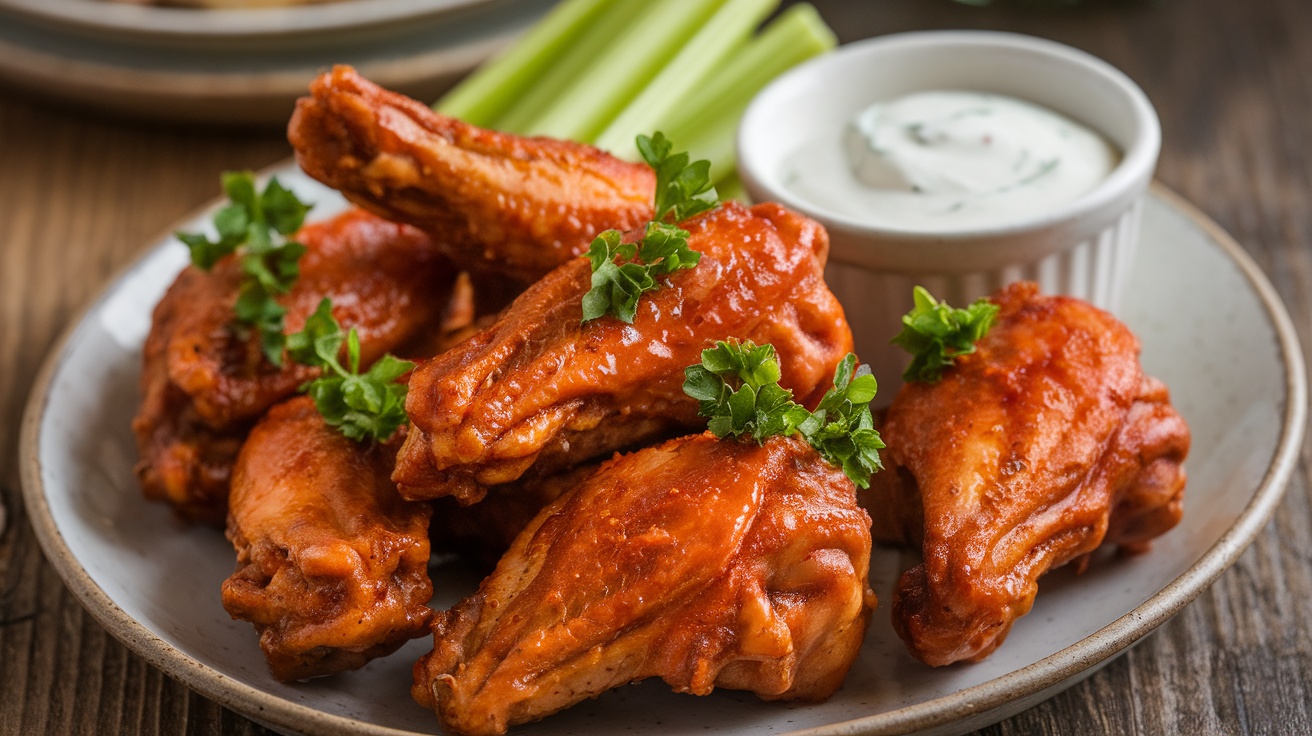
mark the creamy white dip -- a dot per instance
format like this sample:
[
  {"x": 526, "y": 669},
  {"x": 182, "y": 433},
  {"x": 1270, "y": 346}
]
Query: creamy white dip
[{"x": 947, "y": 161}]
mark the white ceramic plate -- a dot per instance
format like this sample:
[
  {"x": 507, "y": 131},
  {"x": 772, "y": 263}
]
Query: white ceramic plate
[
  {"x": 206, "y": 71},
  {"x": 1211, "y": 326}
]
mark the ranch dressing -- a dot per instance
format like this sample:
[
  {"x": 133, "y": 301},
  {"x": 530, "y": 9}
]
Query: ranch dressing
[{"x": 950, "y": 161}]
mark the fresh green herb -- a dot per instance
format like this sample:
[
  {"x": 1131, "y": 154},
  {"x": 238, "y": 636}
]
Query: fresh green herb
[
  {"x": 936, "y": 333},
  {"x": 842, "y": 429},
  {"x": 737, "y": 388},
  {"x": 255, "y": 225},
  {"x": 362, "y": 406},
  {"x": 683, "y": 189}
]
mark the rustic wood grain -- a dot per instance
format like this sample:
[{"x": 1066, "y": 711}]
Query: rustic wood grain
[{"x": 1232, "y": 80}]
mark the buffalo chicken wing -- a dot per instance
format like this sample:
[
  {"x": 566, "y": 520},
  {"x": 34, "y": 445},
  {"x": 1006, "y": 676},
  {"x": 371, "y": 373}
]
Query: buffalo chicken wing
[
  {"x": 539, "y": 389},
  {"x": 332, "y": 565},
  {"x": 495, "y": 202},
  {"x": 1027, "y": 455},
  {"x": 707, "y": 563}
]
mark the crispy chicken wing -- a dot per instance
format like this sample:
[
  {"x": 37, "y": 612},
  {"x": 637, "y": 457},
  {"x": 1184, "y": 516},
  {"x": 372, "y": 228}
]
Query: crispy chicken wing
[
  {"x": 332, "y": 565},
  {"x": 707, "y": 563},
  {"x": 515, "y": 206},
  {"x": 1029, "y": 454},
  {"x": 540, "y": 389},
  {"x": 485, "y": 530},
  {"x": 204, "y": 383}
]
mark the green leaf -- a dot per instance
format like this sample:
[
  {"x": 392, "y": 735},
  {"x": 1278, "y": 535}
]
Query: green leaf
[
  {"x": 240, "y": 188},
  {"x": 282, "y": 210},
  {"x": 232, "y": 223},
  {"x": 682, "y": 190},
  {"x": 737, "y": 388},
  {"x": 935, "y": 334},
  {"x": 742, "y": 407},
  {"x": 253, "y": 225},
  {"x": 388, "y": 369},
  {"x": 701, "y": 384},
  {"x": 369, "y": 406},
  {"x": 204, "y": 252},
  {"x": 616, "y": 288},
  {"x": 319, "y": 341}
]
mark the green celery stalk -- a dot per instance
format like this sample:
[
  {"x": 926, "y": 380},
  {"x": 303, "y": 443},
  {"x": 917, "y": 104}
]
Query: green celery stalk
[
  {"x": 498, "y": 83},
  {"x": 709, "y": 122},
  {"x": 615, "y": 77},
  {"x": 730, "y": 187},
  {"x": 600, "y": 35},
  {"x": 723, "y": 34}
]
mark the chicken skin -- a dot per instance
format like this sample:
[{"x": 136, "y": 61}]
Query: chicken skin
[
  {"x": 538, "y": 389},
  {"x": 205, "y": 380},
  {"x": 332, "y": 565},
  {"x": 707, "y": 563},
  {"x": 485, "y": 530},
  {"x": 1029, "y": 454},
  {"x": 495, "y": 202}
]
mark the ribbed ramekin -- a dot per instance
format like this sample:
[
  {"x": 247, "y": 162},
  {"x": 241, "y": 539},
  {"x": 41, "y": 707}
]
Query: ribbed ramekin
[{"x": 1084, "y": 248}]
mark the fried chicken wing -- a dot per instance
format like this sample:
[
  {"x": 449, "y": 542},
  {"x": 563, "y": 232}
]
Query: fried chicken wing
[
  {"x": 516, "y": 206},
  {"x": 485, "y": 530},
  {"x": 332, "y": 565},
  {"x": 204, "y": 382},
  {"x": 539, "y": 389},
  {"x": 1029, "y": 454},
  {"x": 707, "y": 563}
]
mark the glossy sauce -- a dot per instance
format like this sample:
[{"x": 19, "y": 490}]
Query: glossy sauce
[{"x": 949, "y": 161}]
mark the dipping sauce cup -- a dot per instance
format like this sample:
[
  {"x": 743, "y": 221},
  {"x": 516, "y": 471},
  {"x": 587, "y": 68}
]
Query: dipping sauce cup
[{"x": 1082, "y": 248}]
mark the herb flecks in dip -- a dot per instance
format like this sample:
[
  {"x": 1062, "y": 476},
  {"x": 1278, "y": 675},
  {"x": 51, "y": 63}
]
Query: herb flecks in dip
[{"x": 948, "y": 161}]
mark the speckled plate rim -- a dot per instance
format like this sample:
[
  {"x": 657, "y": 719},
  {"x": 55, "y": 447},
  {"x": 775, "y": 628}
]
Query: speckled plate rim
[{"x": 981, "y": 704}]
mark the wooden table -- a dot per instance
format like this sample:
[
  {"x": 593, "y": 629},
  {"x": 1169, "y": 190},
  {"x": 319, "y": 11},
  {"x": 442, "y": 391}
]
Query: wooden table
[{"x": 80, "y": 195}]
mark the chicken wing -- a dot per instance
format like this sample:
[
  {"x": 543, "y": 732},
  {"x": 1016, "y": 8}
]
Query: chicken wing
[
  {"x": 485, "y": 530},
  {"x": 494, "y": 201},
  {"x": 332, "y": 566},
  {"x": 707, "y": 563},
  {"x": 539, "y": 389},
  {"x": 204, "y": 382},
  {"x": 1029, "y": 454}
]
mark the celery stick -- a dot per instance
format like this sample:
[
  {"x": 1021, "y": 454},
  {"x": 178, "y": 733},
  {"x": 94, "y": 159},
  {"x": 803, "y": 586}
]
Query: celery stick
[
  {"x": 499, "y": 82},
  {"x": 724, "y": 33},
  {"x": 709, "y": 125},
  {"x": 795, "y": 36},
  {"x": 730, "y": 187},
  {"x": 597, "y": 95},
  {"x": 580, "y": 55},
  {"x": 714, "y": 142}
]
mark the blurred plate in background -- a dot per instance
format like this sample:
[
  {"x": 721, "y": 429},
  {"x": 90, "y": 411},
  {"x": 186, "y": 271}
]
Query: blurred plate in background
[{"x": 243, "y": 66}]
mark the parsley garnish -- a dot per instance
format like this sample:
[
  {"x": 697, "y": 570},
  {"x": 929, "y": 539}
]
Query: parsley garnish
[
  {"x": 935, "y": 334},
  {"x": 842, "y": 429},
  {"x": 737, "y": 387},
  {"x": 683, "y": 189},
  {"x": 369, "y": 406},
  {"x": 256, "y": 225}
]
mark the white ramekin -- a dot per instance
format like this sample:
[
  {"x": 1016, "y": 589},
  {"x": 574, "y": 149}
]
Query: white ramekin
[{"x": 1083, "y": 249}]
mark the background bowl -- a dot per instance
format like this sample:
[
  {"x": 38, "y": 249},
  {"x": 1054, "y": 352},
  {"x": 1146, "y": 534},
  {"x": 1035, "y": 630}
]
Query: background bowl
[{"x": 1083, "y": 248}]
